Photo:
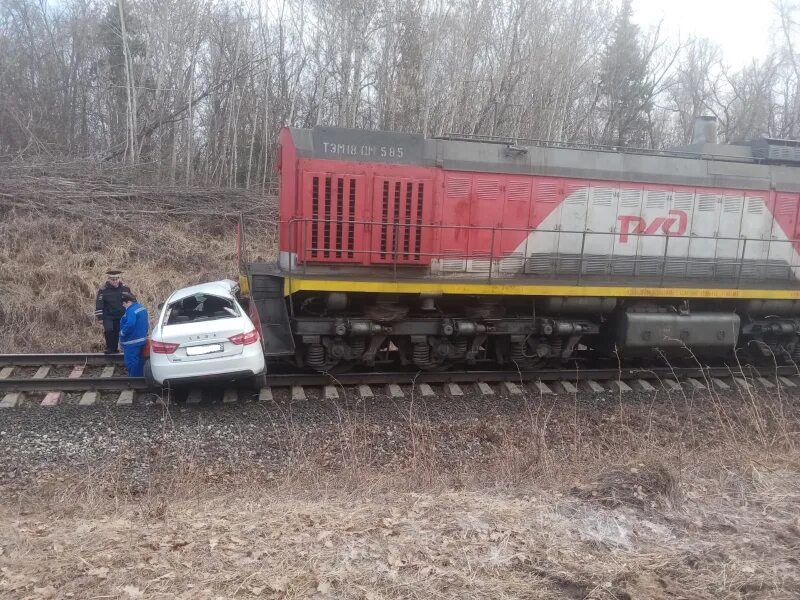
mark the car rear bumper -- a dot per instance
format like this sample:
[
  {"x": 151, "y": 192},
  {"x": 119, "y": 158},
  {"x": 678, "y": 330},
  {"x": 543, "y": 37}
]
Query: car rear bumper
[
  {"x": 237, "y": 376},
  {"x": 228, "y": 368}
]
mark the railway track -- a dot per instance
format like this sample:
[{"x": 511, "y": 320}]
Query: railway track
[{"x": 52, "y": 379}]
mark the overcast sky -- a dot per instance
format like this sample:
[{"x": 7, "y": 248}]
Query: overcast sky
[{"x": 742, "y": 28}]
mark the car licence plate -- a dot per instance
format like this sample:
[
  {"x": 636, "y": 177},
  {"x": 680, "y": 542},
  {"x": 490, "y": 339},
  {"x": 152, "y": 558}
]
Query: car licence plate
[{"x": 200, "y": 350}]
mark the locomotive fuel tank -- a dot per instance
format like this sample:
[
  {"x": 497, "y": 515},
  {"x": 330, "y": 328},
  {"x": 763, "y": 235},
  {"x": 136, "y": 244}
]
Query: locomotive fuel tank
[{"x": 641, "y": 332}]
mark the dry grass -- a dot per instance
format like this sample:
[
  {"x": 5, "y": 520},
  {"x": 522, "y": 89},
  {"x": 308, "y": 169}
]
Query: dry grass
[
  {"x": 620, "y": 499},
  {"x": 58, "y": 236},
  {"x": 734, "y": 541}
]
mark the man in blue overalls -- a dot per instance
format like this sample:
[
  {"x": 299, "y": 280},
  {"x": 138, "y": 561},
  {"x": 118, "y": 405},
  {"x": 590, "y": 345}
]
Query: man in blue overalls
[{"x": 133, "y": 329}]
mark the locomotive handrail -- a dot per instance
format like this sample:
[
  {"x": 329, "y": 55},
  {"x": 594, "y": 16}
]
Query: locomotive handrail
[
  {"x": 728, "y": 269},
  {"x": 530, "y": 229}
]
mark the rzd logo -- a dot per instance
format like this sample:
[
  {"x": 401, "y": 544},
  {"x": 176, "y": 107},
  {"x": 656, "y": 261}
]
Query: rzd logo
[{"x": 672, "y": 225}]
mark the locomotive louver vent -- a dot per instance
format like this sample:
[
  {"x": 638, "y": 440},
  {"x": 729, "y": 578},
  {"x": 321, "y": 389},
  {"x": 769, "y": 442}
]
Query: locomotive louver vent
[
  {"x": 512, "y": 262},
  {"x": 333, "y": 227},
  {"x": 602, "y": 196},
  {"x": 732, "y": 204},
  {"x": 488, "y": 189},
  {"x": 479, "y": 265},
  {"x": 631, "y": 198},
  {"x": 683, "y": 201},
  {"x": 596, "y": 264},
  {"x": 755, "y": 206},
  {"x": 401, "y": 219},
  {"x": 314, "y": 215},
  {"x": 577, "y": 195},
  {"x": 519, "y": 190},
  {"x": 706, "y": 202},
  {"x": 457, "y": 187},
  {"x": 547, "y": 192},
  {"x": 656, "y": 200},
  {"x": 649, "y": 266},
  {"x": 326, "y": 225},
  {"x": 787, "y": 206},
  {"x": 776, "y": 150}
]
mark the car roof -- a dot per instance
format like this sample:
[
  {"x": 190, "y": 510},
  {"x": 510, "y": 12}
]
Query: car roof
[{"x": 223, "y": 287}]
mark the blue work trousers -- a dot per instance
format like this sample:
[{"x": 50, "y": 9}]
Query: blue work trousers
[{"x": 134, "y": 362}]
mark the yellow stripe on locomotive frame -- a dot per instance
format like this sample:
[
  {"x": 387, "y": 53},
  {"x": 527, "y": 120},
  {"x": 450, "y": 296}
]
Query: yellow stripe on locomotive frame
[{"x": 298, "y": 284}]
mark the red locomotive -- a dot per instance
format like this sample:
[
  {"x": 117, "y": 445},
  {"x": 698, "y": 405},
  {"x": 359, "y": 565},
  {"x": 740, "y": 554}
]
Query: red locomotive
[{"x": 432, "y": 252}]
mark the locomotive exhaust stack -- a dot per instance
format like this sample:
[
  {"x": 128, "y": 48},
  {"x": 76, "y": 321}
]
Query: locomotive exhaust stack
[{"x": 705, "y": 130}]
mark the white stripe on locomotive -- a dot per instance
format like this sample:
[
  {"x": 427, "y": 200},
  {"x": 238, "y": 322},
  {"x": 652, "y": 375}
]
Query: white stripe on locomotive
[{"x": 713, "y": 240}]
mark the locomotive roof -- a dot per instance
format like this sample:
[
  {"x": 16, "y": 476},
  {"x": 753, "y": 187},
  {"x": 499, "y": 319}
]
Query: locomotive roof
[{"x": 758, "y": 165}]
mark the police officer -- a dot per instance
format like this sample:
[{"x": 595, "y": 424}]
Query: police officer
[
  {"x": 108, "y": 308},
  {"x": 133, "y": 334}
]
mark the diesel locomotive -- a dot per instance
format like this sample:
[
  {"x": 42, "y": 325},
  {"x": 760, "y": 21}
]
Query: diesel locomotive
[{"x": 430, "y": 252}]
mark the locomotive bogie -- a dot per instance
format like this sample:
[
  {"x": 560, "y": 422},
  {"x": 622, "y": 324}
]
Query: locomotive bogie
[{"x": 427, "y": 343}]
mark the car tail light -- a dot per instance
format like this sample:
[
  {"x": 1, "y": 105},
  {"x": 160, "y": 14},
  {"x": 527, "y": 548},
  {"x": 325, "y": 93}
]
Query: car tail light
[
  {"x": 162, "y": 347},
  {"x": 245, "y": 339}
]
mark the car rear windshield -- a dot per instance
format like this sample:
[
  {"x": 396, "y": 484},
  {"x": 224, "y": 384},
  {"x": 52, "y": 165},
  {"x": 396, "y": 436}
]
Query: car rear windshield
[{"x": 200, "y": 307}]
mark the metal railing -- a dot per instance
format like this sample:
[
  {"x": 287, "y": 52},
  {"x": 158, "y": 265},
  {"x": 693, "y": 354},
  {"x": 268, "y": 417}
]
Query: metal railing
[{"x": 572, "y": 256}]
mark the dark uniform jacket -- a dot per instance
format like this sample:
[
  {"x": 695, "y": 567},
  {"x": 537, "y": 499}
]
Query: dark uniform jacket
[{"x": 108, "y": 304}]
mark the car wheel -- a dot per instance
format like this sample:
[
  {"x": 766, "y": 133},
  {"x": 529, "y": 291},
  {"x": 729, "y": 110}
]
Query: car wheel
[{"x": 148, "y": 376}]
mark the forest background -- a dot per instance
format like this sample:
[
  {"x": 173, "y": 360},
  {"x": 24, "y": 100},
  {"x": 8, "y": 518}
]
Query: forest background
[{"x": 194, "y": 92}]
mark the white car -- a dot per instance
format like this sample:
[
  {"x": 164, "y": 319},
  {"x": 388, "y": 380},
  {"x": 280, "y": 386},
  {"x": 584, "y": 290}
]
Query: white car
[{"x": 203, "y": 334}]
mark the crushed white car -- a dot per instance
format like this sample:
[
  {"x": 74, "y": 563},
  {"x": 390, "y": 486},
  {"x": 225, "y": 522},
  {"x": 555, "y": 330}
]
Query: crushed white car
[{"x": 204, "y": 334}]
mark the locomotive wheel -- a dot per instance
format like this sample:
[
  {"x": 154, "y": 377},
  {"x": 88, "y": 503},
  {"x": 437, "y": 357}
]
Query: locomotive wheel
[{"x": 759, "y": 353}]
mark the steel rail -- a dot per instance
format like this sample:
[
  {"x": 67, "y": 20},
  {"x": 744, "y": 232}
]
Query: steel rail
[
  {"x": 61, "y": 359},
  {"x": 383, "y": 378},
  {"x": 499, "y": 376},
  {"x": 79, "y": 384}
]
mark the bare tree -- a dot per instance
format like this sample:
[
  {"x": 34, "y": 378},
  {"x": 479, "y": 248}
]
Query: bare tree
[{"x": 196, "y": 91}]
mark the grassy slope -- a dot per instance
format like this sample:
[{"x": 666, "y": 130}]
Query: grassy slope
[{"x": 53, "y": 253}]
